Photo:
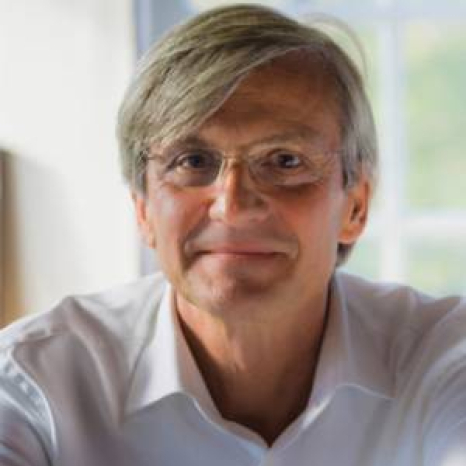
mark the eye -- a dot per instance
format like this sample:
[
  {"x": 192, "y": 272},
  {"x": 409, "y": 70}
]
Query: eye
[
  {"x": 192, "y": 168},
  {"x": 286, "y": 169},
  {"x": 284, "y": 161},
  {"x": 194, "y": 161}
]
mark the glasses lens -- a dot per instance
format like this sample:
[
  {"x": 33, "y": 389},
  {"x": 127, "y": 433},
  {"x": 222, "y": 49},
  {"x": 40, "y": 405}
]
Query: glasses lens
[
  {"x": 289, "y": 169},
  {"x": 193, "y": 169},
  {"x": 279, "y": 168}
]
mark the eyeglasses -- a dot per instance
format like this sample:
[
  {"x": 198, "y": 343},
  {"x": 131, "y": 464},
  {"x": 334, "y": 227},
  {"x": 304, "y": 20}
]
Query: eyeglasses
[{"x": 279, "y": 168}]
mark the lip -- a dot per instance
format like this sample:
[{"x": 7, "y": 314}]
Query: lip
[
  {"x": 235, "y": 255},
  {"x": 244, "y": 259},
  {"x": 241, "y": 252},
  {"x": 244, "y": 249},
  {"x": 230, "y": 244},
  {"x": 240, "y": 255}
]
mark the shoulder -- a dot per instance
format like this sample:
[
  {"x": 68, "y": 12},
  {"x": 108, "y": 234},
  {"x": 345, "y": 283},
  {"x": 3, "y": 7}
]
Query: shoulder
[
  {"x": 424, "y": 337},
  {"x": 120, "y": 312},
  {"x": 397, "y": 308},
  {"x": 82, "y": 340},
  {"x": 422, "y": 340},
  {"x": 418, "y": 329},
  {"x": 80, "y": 353}
]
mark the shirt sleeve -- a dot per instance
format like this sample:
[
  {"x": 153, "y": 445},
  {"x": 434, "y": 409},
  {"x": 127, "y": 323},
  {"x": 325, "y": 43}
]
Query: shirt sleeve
[{"x": 24, "y": 430}]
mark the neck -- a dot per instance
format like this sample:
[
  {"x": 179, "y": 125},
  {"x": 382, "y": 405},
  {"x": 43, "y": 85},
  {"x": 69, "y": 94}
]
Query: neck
[{"x": 252, "y": 366}]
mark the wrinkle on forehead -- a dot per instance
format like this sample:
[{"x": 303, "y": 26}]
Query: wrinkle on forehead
[
  {"x": 308, "y": 72},
  {"x": 289, "y": 93},
  {"x": 297, "y": 133},
  {"x": 300, "y": 77}
]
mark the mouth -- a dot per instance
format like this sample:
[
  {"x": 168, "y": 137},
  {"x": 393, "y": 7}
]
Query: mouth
[
  {"x": 234, "y": 253},
  {"x": 240, "y": 246},
  {"x": 241, "y": 251}
]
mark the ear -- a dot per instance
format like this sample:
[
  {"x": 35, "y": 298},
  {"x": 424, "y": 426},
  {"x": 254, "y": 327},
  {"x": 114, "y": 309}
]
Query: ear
[
  {"x": 146, "y": 227},
  {"x": 355, "y": 212}
]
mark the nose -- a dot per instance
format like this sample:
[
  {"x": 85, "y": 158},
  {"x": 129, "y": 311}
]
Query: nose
[{"x": 236, "y": 200}]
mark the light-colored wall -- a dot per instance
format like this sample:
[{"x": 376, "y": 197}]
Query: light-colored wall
[{"x": 68, "y": 225}]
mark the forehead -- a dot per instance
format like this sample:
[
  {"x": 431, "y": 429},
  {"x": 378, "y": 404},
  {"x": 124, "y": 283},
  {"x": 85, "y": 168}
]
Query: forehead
[{"x": 288, "y": 93}]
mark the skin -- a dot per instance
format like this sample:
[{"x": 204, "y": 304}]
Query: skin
[{"x": 251, "y": 264}]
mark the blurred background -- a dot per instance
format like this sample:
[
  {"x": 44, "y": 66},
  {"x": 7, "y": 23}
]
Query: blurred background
[{"x": 66, "y": 220}]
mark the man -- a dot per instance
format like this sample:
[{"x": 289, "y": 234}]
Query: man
[{"x": 248, "y": 143}]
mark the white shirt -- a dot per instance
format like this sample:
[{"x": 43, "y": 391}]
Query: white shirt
[{"x": 108, "y": 379}]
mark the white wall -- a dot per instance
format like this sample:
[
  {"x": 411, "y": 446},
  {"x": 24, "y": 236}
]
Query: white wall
[{"x": 69, "y": 227}]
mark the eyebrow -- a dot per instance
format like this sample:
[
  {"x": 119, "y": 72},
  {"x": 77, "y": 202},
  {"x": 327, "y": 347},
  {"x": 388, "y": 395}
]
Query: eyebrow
[{"x": 301, "y": 133}]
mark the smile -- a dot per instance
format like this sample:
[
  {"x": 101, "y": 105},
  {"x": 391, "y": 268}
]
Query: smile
[
  {"x": 241, "y": 249},
  {"x": 233, "y": 255}
]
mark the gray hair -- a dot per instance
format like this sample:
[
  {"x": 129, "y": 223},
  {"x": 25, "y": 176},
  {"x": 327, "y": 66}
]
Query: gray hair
[{"x": 185, "y": 77}]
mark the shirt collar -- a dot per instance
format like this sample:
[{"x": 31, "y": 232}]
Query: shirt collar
[
  {"x": 166, "y": 366},
  {"x": 351, "y": 355}
]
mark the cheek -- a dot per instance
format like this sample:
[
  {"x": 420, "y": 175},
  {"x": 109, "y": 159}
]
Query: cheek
[
  {"x": 315, "y": 218},
  {"x": 174, "y": 215}
]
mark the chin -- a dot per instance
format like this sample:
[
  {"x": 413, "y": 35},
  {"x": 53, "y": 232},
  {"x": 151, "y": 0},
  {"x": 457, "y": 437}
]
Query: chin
[{"x": 223, "y": 294}]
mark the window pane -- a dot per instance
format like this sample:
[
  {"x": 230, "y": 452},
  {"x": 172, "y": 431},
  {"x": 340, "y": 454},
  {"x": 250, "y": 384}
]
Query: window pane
[
  {"x": 437, "y": 266},
  {"x": 436, "y": 102}
]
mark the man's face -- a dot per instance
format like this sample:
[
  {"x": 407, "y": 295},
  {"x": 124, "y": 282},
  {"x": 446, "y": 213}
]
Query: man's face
[{"x": 241, "y": 241}]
